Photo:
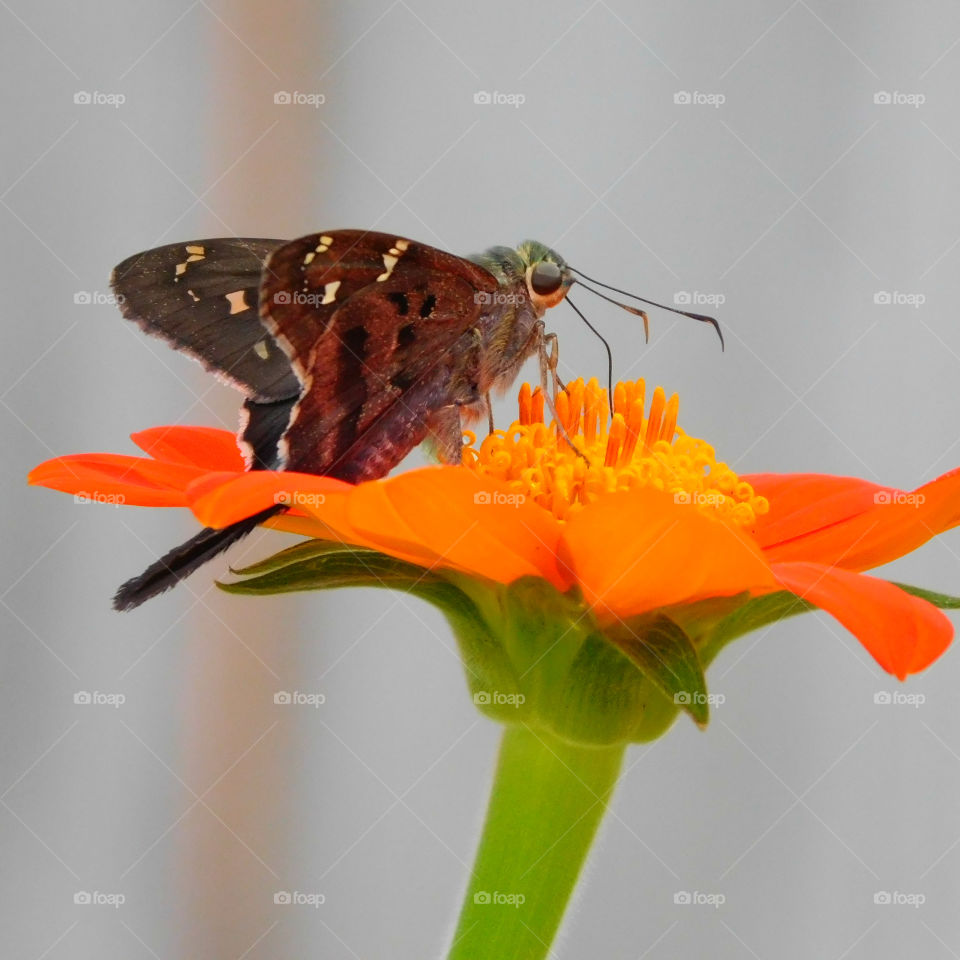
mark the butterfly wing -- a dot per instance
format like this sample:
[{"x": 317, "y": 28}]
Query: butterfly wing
[
  {"x": 201, "y": 297},
  {"x": 376, "y": 350},
  {"x": 379, "y": 329}
]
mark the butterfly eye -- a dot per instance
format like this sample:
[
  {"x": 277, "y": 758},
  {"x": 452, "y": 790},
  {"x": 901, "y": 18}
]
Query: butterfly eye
[{"x": 546, "y": 278}]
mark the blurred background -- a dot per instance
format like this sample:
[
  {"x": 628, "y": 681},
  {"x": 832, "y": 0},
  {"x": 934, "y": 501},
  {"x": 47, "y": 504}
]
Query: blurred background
[{"x": 793, "y": 167}]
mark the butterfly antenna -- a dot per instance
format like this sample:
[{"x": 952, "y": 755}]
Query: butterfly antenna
[
  {"x": 606, "y": 346},
  {"x": 703, "y": 318}
]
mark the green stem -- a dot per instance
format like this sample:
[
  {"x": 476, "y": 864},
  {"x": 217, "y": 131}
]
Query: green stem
[{"x": 547, "y": 801}]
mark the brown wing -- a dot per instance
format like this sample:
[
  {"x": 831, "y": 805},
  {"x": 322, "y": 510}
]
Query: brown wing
[
  {"x": 381, "y": 336},
  {"x": 201, "y": 297}
]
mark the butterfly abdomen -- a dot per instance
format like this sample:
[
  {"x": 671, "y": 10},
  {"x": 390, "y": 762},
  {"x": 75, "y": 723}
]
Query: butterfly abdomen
[{"x": 180, "y": 562}]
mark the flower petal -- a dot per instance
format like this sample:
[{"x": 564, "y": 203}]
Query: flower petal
[
  {"x": 383, "y": 527},
  {"x": 450, "y": 516},
  {"x": 219, "y": 499},
  {"x": 851, "y": 523},
  {"x": 130, "y": 480},
  {"x": 204, "y": 447},
  {"x": 904, "y": 634},
  {"x": 802, "y": 503},
  {"x": 640, "y": 550}
]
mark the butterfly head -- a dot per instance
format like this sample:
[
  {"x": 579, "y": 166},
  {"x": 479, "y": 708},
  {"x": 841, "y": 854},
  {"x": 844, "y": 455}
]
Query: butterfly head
[
  {"x": 533, "y": 265},
  {"x": 547, "y": 275}
]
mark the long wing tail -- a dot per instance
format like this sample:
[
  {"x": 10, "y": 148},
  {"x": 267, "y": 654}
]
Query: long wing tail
[{"x": 180, "y": 562}]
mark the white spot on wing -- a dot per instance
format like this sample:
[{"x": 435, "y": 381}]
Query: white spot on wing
[
  {"x": 194, "y": 252},
  {"x": 389, "y": 262},
  {"x": 238, "y": 301},
  {"x": 260, "y": 348},
  {"x": 330, "y": 291},
  {"x": 245, "y": 447}
]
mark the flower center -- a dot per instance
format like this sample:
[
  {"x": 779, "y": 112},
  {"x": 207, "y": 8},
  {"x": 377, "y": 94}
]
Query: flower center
[{"x": 625, "y": 452}]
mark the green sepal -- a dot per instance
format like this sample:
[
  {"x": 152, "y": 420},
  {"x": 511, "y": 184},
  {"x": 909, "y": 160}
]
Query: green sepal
[
  {"x": 735, "y": 616},
  {"x": 662, "y": 651},
  {"x": 310, "y": 567},
  {"x": 577, "y": 680},
  {"x": 307, "y": 550}
]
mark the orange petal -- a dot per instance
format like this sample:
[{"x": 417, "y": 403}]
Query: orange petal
[
  {"x": 330, "y": 520},
  {"x": 451, "y": 517},
  {"x": 852, "y": 523},
  {"x": 219, "y": 499},
  {"x": 137, "y": 480},
  {"x": 303, "y": 527},
  {"x": 801, "y": 503},
  {"x": 903, "y": 633},
  {"x": 204, "y": 447},
  {"x": 639, "y": 550},
  {"x": 384, "y": 528}
]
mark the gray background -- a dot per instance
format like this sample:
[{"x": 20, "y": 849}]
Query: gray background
[{"x": 798, "y": 200}]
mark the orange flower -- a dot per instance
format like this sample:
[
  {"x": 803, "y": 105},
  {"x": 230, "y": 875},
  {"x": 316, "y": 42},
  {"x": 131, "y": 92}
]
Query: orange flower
[{"x": 640, "y": 516}]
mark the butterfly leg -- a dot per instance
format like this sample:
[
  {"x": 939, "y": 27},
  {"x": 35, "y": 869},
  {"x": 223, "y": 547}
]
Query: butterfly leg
[
  {"x": 549, "y": 341},
  {"x": 549, "y": 356},
  {"x": 445, "y": 434},
  {"x": 486, "y": 400}
]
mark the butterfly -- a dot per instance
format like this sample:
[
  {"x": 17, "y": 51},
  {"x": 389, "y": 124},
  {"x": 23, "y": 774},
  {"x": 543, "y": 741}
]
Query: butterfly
[{"x": 351, "y": 347}]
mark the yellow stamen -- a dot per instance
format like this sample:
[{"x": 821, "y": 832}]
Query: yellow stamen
[
  {"x": 623, "y": 452},
  {"x": 653, "y": 422}
]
